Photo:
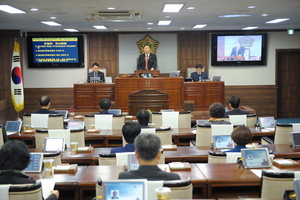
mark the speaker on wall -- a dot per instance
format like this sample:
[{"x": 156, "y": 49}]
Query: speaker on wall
[{"x": 23, "y": 33}]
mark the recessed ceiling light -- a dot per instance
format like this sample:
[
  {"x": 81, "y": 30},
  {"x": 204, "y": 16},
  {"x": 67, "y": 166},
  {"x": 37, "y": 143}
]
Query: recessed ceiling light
[
  {"x": 274, "y": 21},
  {"x": 52, "y": 17},
  {"x": 71, "y": 30},
  {"x": 190, "y": 8},
  {"x": 34, "y": 9},
  {"x": 167, "y": 16},
  {"x": 264, "y": 15},
  {"x": 100, "y": 27},
  {"x": 234, "y": 15},
  {"x": 50, "y": 23},
  {"x": 172, "y": 7},
  {"x": 182, "y": 28},
  {"x": 10, "y": 9},
  {"x": 111, "y": 8},
  {"x": 149, "y": 28},
  {"x": 200, "y": 26},
  {"x": 116, "y": 29},
  {"x": 164, "y": 22},
  {"x": 150, "y": 23},
  {"x": 250, "y": 28},
  {"x": 251, "y": 7}
]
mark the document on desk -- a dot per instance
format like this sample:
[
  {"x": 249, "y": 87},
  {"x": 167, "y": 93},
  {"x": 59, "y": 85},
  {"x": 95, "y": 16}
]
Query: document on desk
[
  {"x": 194, "y": 131},
  {"x": 257, "y": 172},
  {"x": 47, "y": 186}
]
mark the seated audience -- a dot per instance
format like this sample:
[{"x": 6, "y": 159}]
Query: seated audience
[
  {"x": 15, "y": 157},
  {"x": 148, "y": 154},
  {"x": 241, "y": 136},
  {"x": 234, "y": 103},
  {"x": 129, "y": 130},
  {"x": 44, "y": 103},
  {"x": 143, "y": 118},
  {"x": 217, "y": 112},
  {"x": 104, "y": 106}
]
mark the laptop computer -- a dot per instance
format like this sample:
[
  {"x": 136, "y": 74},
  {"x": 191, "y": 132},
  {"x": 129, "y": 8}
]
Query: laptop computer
[
  {"x": 267, "y": 123},
  {"x": 295, "y": 136},
  {"x": 256, "y": 158},
  {"x": 223, "y": 142},
  {"x": 75, "y": 125},
  {"x": 132, "y": 189},
  {"x": 216, "y": 78},
  {"x": 175, "y": 74},
  {"x": 63, "y": 112},
  {"x": 12, "y": 127},
  {"x": 36, "y": 163},
  {"x": 115, "y": 111},
  {"x": 95, "y": 80},
  {"x": 54, "y": 144}
]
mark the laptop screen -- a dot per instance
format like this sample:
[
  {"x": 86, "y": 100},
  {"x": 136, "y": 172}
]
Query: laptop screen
[
  {"x": 267, "y": 122},
  {"x": 223, "y": 142},
  {"x": 54, "y": 144},
  {"x": 295, "y": 136},
  {"x": 13, "y": 126},
  {"x": 63, "y": 112},
  {"x": 76, "y": 125},
  {"x": 125, "y": 189},
  {"x": 36, "y": 162},
  {"x": 256, "y": 158},
  {"x": 95, "y": 80}
]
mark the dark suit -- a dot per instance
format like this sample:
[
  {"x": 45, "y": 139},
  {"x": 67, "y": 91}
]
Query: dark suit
[
  {"x": 100, "y": 74},
  {"x": 152, "y": 62},
  {"x": 10, "y": 177},
  {"x": 43, "y": 111},
  {"x": 195, "y": 76},
  {"x": 236, "y": 111},
  {"x": 153, "y": 172},
  {"x": 241, "y": 51},
  {"x": 127, "y": 148}
]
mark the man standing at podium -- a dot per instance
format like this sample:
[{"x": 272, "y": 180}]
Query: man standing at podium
[{"x": 147, "y": 61}]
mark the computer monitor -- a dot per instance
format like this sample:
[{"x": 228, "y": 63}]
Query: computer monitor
[
  {"x": 175, "y": 74},
  {"x": 13, "y": 127},
  {"x": 295, "y": 136},
  {"x": 36, "y": 163},
  {"x": 256, "y": 158},
  {"x": 223, "y": 142},
  {"x": 216, "y": 78},
  {"x": 63, "y": 112},
  {"x": 115, "y": 111},
  {"x": 54, "y": 144},
  {"x": 267, "y": 122},
  {"x": 76, "y": 125},
  {"x": 95, "y": 80}
]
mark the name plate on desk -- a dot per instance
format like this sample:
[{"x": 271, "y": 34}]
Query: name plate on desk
[
  {"x": 285, "y": 163},
  {"x": 169, "y": 147},
  {"x": 179, "y": 166},
  {"x": 66, "y": 169}
]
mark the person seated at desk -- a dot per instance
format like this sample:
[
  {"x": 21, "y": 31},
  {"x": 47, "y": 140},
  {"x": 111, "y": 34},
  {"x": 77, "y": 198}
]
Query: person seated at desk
[
  {"x": 143, "y": 118},
  {"x": 148, "y": 154},
  {"x": 147, "y": 60},
  {"x": 44, "y": 103},
  {"x": 104, "y": 106},
  {"x": 130, "y": 131},
  {"x": 234, "y": 103},
  {"x": 95, "y": 73},
  {"x": 217, "y": 112},
  {"x": 241, "y": 136},
  {"x": 15, "y": 157},
  {"x": 199, "y": 74}
]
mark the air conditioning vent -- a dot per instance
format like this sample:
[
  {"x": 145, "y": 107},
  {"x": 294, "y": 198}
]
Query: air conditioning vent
[{"x": 126, "y": 16}]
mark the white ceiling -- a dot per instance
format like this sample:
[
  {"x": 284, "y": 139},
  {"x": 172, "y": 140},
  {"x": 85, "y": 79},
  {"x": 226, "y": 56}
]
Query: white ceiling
[{"x": 72, "y": 14}]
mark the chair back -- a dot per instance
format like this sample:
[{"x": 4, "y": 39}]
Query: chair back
[
  {"x": 273, "y": 184},
  {"x": 117, "y": 121},
  {"x": 1, "y": 136},
  {"x": 55, "y": 121},
  {"x": 251, "y": 120},
  {"x": 184, "y": 119},
  {"x": 165, "y": 137},
  {"x": 216, "y": 157},
  {"x": 107, "y": 159},
  {"x": 40, "y": 138},
  {"x": 237, "y": 120},
  {"x": 296, "y": 127},
  {"x": 203, "y": 135},
  {"x": 78, "y": 136},
  {"x": 25, "y": 192},
  {"x": 282, "y": 133},
  {"x": 55, "y": 156}
]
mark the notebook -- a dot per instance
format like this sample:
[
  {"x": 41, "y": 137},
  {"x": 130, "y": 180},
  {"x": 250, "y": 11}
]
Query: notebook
[
  {"x": 36, "y": 163},
  {"x": 267, "y": 123},
  {"x": 12, "y": 127},
  {"x": 54, "y": 144},
  {"x": 132, "y": 189},
  {"x": 223, "y": 142},
  {"x": 295, "y": 136},
  {"x": 63, "y": 112},
  {"x": 133, "y": 163},
  {"x": 76, "y": 125},
  {"x": 256, "y": 158}
]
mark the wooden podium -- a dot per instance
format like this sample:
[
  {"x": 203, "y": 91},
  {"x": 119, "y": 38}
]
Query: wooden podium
[
  {"x": 154, "y": 73},
  {"x": 147, "y": 99}
]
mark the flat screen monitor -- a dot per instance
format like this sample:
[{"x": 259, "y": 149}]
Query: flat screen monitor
[
  {"x": 223, "y": 142},
  {"x": 63, "y": 112},
  {"x": 95, "y": 80},
  {"x": 267, "y": 122},
  {"x": 54, "y": 144},
  {"x": 36, "y": 163},
  {"x": 50, "y": 51},
  {"x": 115, "y": 111},
  {"x": 216, "y": 78},
  {"x": 76, "y": 125},
  {"x": 238, "y": 49},
  {"x": 295, "y": 136},
  {"x": 13, "y": 126},
  {"x": 175, "y": 74},
  {"x": 256, "y": 158}
]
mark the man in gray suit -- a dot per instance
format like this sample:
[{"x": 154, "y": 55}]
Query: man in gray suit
[{"x": 148, "y": 154}]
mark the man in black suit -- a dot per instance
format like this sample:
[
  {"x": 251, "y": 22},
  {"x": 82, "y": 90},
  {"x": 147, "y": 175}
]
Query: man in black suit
[
  {"x": 147, "y": 61},
  {"x": 95, "y": 73},
  {"x": 237, "y": 50},
  {"x": 45, "y": 103},
  {"x": 148, "y": 154},
  {"x": 234, "y": 103},
  {"x": 199, "y": 74}
]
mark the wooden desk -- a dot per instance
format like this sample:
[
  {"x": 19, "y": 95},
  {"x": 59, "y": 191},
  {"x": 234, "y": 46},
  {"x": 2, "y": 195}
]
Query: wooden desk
[
  {"x": 89, "y": 179},
  {"x": 63, "y": 182}
]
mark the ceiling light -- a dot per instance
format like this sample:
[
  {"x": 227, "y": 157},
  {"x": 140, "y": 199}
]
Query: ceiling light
[
  {"x": 290, "y": 31},
  {"x": 149, "y": 28},
  {"x": 111, "y": 8},
  {"x": 274, "y": 21},
  {"x": 250, "y": 28},
  {"x": 100, "y": 27},
  {"x": 264, "y": 15},
  {"x": 50, "y": 23},
  {"x": 251, "y": 7},
  {"x": 116, "y": 29},
  {"x": 172, "y": 7},
  {"x": 190, "y": 8},
  {"x": 199, "y": 26},
  {"x": 34, "y": 9},
  {"x": 150, "y": 23},
  {"x": 52, "y": 17},
  {"x": 234, "y": 15},
  {"x": 182, "y": 28},
  {"x": 11, "y": 10},
  {"x": 164, "y": 22},
  {"x": 71, "y": 30},
  {"x": 167, "y": 16}
]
